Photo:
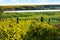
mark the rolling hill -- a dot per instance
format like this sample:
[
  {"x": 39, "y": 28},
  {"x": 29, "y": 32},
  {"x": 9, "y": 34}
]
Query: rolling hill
[{"x": 31, "y": 7}]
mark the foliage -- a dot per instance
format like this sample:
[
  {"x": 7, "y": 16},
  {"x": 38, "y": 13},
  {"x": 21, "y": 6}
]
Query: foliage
[
  {"x": 26, "y": 30},
  {"x": 1, "y": 11},
  {"x": 10, "y": 30},
  {"x": 41, "y": 31}
]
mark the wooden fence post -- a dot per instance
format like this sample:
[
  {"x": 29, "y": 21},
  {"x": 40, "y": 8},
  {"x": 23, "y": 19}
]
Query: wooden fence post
[
  {"x": 49, "y": 21},
  {"x": 42, "y": 19},
  {"x": 17, "y": 20}
]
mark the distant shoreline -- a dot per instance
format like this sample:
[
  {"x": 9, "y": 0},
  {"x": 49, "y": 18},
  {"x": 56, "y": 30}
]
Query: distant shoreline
[{"x": 33, "y": 11}]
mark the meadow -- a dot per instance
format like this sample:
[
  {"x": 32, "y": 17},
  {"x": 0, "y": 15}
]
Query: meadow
[
  {"x": 54, "y": 16},
  {"x": 30, "y": 26}
]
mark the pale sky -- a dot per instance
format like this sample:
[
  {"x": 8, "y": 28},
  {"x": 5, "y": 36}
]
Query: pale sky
[{"x": 29, "y": 1}]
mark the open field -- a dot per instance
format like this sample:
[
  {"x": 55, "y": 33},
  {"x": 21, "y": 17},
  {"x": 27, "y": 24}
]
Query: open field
[
  {"x": 30, "y": 26},
  {"x": 54, "y": 16}
]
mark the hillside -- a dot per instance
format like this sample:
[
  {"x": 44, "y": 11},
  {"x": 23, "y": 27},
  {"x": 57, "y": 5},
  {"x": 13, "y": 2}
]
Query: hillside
[{"x": 30, "y": 7}]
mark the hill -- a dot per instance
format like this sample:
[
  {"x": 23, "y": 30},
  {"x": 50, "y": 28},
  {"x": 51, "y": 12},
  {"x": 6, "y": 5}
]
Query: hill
[{"x": 31, "y": 7}]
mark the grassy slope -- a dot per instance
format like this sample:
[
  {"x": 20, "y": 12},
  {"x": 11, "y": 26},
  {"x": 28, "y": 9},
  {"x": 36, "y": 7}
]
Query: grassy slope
[{"x": 53, "y": 15}]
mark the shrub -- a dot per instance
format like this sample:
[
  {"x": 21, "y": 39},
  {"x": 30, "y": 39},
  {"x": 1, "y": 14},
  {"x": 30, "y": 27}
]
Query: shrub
[
  {"x": 10, "y": 30},
  {"x": 41, "y": 31},
  {"x": 26, "y": 30}
]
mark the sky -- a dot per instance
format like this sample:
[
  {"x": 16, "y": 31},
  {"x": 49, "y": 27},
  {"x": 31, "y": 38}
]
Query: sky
[{"x": 29, "y": 1}]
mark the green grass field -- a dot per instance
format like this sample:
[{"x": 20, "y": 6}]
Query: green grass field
[
  {"x": 29, "y": 26},
  {"x": 54, "y": 16}
]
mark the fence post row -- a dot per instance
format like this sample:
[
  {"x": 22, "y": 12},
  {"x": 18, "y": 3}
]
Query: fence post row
[{"x": 42, "y": 20}]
